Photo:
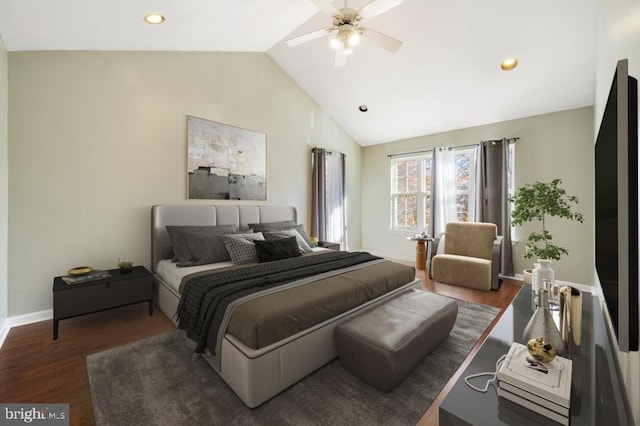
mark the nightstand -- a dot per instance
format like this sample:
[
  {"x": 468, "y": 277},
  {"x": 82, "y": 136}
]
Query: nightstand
[
  {"x": 120, "y": 290},
  {"x": 330, "y": 246}
]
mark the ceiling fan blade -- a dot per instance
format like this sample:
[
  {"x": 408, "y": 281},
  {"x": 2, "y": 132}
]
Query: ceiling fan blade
[
  {"x": 326, "y": 7},
  {"x": 341, "y": 58},
  {"x": 382, "y": 40},
  {"x": 308, "y": 37},
  {"x": 377, "y": 7}
]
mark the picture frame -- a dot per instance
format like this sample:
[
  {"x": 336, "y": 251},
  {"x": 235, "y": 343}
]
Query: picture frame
[{"x": 225, "y": 162}]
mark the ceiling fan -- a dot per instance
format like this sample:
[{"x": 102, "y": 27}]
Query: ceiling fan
[{"x": 347, "y": 30}]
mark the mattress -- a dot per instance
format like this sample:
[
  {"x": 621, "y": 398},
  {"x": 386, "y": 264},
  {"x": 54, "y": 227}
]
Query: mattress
[{"x": 173, "y": 276}]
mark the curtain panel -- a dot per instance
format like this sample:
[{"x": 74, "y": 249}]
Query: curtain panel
[
  {"x": 494, "y": 197},
  {"x": 449, "y": 193},
  {"x": 328, "y": 215}
]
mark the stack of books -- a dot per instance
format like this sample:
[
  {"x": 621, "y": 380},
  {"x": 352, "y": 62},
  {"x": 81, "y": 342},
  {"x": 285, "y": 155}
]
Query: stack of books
[
  {"x": 541, "y": 387},
  {"x": 91, "y": 276}
]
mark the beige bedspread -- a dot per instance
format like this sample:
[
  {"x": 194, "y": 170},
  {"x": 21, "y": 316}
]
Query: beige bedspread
[{"x": 270, "y": 318}]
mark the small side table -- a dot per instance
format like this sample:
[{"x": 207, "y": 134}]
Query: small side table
[
  {"x": 422, "y": 244},
  {"x": 330, "y": 246},
  {"x": 121, "y": 289}
]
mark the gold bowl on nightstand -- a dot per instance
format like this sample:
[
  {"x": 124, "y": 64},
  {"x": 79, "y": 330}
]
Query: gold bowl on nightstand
[{"x": 79, "y": 271}]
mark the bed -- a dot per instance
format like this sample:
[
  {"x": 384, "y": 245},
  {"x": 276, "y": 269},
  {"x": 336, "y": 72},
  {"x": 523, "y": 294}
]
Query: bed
[{"x": 258, "y": 371}]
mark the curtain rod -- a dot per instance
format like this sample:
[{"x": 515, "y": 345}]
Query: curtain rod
[
  {"x": 454, "y": 147},
  {"x": 503, "y": 139},
  {"x": 327, "y": 151}
]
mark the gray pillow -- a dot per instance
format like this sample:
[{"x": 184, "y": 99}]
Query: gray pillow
[
  {"x": 206, "y": 248},
  {"x": 272, "y": 226},
  {"x": 241, "y": 247},
  {"x": 286, "y": 233},
  {"x": 167, "y": 253},
  {"x": 303, "y": 234},
  {"x": 278, "y": 226},
  {"x": 178, "y": 242}
]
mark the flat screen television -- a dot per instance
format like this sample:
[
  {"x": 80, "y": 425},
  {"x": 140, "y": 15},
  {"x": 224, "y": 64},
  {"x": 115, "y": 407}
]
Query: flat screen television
[{"x": 616, "y": 207}]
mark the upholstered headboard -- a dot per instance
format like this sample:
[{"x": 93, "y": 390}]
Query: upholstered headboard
[{"x": 239, "y": 215}]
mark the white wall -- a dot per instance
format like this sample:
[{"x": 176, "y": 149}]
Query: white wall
[
  {"x": 97, "y": 138},
  {"x": 4, "y": 173},
  {"x": 619, "y": 38},
  {"x": 556, "y": 145}
]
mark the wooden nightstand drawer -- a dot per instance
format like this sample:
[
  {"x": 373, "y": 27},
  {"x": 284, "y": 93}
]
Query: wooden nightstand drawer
[{"x": 83, "y": 299}]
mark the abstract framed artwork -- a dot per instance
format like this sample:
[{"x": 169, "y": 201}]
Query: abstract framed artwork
[{"x": 225, "y": 162}]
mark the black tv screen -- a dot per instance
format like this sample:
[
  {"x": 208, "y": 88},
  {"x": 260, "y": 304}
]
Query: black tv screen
[{"x": 616, "y": 207}]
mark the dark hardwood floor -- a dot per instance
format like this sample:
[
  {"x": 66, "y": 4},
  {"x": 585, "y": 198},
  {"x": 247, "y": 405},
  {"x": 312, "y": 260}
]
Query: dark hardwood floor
[
  {"x": 36, "y": 369},
  {"x": 500, "y": 299}
]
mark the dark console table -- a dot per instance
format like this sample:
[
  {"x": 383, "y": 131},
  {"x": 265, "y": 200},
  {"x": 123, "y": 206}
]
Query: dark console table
[
  {"x": 121, "y": 289},
  {"x": 596, "y": 395}
]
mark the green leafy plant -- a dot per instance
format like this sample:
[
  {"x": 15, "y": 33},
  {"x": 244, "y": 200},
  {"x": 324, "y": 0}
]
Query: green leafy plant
[
  {"x": 537, "y": 202},
  {"x": 125, "y": 264}
]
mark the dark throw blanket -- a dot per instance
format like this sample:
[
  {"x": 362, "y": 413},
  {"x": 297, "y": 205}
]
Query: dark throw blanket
[{"x": 205, "y": 298}]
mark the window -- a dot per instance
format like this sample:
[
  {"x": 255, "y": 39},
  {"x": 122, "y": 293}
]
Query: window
[
  {"x": 412, "y": 182},
  {"x": 411, "y": 192},
  {"x": 464, "y": 167}
]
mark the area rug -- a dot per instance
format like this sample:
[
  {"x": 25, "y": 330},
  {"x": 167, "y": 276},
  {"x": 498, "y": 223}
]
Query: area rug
[{"x": 155, "y": 382}]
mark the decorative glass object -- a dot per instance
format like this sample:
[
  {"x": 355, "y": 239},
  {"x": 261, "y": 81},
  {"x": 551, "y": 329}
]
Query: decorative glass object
[
  {"x": 541, "y": 272},
  {"x": 541, "y": 325}
]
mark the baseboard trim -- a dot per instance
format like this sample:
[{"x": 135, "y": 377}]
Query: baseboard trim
[
  {"x": 25, "y": 319},
  {"x": 4, "y": 331}
]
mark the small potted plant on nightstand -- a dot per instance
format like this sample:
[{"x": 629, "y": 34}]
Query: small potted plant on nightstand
[{"x": 125, "y": 265}]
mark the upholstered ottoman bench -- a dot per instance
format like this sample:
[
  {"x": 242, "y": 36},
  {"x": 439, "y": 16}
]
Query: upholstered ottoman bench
[{"x": 385, "y": 343}]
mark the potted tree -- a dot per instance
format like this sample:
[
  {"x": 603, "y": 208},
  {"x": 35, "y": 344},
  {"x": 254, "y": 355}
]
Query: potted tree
[{"x": 536, "y": 203}]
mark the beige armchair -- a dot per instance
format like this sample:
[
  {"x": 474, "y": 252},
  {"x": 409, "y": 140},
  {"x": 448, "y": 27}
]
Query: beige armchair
[{"x": 470, "y": 256}]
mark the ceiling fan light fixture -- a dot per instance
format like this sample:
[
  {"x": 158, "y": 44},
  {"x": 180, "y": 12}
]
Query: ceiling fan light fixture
[
  {"x": 347, "y": 50},
  {"x": 154, "y": 19},
  {"x": 509, "y": 63},
  {"x": 353, "y": 38},
  {"x": 335, "y": 42}
]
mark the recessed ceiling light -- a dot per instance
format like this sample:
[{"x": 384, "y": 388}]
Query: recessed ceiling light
[
  {"x": 154, "y": 18},
  {"x": 363, "y": 108},
  {"x": 509, "y": 63}
]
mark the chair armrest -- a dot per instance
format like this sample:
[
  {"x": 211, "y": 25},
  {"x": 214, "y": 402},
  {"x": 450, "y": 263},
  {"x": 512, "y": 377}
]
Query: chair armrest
[
  {"x": 495, "y": 262},
  {"x": 434, "y": 249}
]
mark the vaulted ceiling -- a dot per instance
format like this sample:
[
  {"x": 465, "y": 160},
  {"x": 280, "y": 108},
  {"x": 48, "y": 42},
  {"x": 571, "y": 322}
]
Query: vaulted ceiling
[{"x": 445, "y": 76}]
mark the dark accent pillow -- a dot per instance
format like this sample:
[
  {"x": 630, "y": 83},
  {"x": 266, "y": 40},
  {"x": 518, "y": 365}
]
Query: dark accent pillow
[
  {"x": 285, "y": 248},
  {"x": 286, "y": 233},
  {"x": 178, "y": 242},
  {"x": 279, "y": 226}
]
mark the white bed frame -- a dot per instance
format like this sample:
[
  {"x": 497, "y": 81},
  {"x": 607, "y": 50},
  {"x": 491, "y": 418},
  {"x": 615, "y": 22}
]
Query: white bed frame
[{"x": 255, "y": 375}]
